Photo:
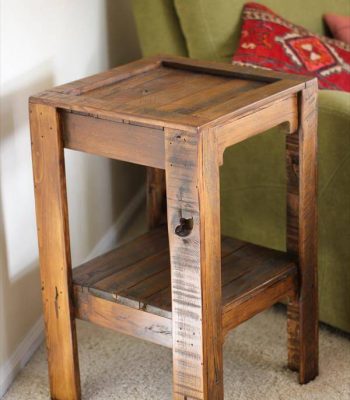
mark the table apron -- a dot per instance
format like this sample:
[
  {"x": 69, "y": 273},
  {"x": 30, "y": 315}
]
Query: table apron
[{"x": 118, "y": 140}]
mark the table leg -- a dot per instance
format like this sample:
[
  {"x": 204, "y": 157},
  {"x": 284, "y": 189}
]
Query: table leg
[
  {"x": 156, "y": 207},
  {"x": 54, "y": 252},
  {"x": 193, "y": 200},
  {"x": 302, "y": 237}
]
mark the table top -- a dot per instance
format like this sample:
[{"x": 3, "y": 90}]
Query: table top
[{"x": 177, "y": 92}]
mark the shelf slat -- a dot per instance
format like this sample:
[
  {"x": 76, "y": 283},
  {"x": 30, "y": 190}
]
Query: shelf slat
[{"x": 137, "y": 275}]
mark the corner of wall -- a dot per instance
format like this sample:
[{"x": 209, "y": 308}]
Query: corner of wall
[
  {"x": 35, "y": 336},
  {"x": 21, "y": 355}
]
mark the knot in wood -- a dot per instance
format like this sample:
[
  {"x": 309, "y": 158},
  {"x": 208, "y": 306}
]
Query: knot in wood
[{"x": 185, "y": 227}]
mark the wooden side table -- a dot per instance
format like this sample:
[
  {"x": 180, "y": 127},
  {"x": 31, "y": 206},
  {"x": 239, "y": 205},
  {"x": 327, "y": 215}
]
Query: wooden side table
[{"x": 178, "y": 285}]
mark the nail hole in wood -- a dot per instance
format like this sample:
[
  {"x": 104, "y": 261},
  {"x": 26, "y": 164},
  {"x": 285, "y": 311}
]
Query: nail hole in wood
[{"x": 185, "y": 227}]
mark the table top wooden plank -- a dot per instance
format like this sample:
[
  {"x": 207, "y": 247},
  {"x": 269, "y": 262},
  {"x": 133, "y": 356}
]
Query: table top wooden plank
[
  {"x": 132, "y": 86},
  {"x": 226, "y": 69},
  {"x": 172, "y": 92},
  {"x": 106, "y": 78},
  {"x": 204, "y": 99},
  {"x": 177, "y": 85}
]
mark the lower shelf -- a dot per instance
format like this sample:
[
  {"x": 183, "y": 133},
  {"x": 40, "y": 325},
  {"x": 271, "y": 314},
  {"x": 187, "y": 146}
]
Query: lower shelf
[{"x": 136, "y": 276}]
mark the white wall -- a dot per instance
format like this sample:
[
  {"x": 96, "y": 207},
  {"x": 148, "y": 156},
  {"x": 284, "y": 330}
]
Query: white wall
[{"x": 46, "y": 43}]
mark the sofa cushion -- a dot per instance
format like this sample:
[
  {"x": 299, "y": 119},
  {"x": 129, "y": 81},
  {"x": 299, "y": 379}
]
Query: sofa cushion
[
  {"x": 270, "y": 41},
  {"x": 212, "y": 28},
  {"x": 339, "y": 25},
  {"x": 253, "y": 202},
  {"x": 158, "y": 27},
  {"x": 253, "y": 192}
]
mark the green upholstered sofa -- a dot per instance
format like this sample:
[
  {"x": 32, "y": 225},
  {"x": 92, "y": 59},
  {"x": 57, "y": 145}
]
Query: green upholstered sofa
[{"x": 253, "y": 175}]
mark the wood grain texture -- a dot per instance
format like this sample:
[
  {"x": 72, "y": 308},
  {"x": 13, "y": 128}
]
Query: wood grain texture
[
  {"x": 302, "y": 236},
  {"x": 137, "y": 274},
  {"x": 221, "y": 91},
  {"x": 54, "y": 251},
  {"x": 104, "y": 110},
  {"x": 117, "y": 140},
  {"x": 191, "y": 169},
  {"x": 138, "y": 86},
  {"x": 153, "y": 242},
  {"x": 283, "y": 111},
  {"x": 126, "y": 278},
  {"x": 171, "y": 92},
  {"x": 226, "y": 69},
  {"x": 110, "y": 77},
  {"x": 156, "y": 198},
  {"x": 245, "y": 307},
  {"x": 177, "y": 85},
  {"x": 123, "y": 319},
  {"x": 249, "y": 101},
  {"x": 185, "y": 288}
]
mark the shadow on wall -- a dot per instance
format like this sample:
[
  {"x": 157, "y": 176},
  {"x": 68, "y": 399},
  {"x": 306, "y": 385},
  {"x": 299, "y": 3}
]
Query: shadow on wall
[
  {"x": 14, "y": 114},
  {"x": 15, "y": 284},
  {"x": 123, "y": 47},
  {"x": 13, "y": 294},
  {"x": 124, "y": 181}
]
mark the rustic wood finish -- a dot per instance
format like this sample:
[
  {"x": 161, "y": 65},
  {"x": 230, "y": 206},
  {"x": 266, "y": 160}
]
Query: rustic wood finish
[
  {"x": 113, "y": 139},
  {"x": 137, "y": 274},
  {"x": 156, "y": 202},
  {"x": 54, "y": 250},
  {"x": 123, "y": 319},
  {"x": 178, "y": 285},
  {"x": 283, "y": 111},
  {"x": 302, "y": 237},
  {"x": 195, "y": 265},
  {"x": 152, "y": 104}
]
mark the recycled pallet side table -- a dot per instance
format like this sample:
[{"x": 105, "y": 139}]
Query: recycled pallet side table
[{"x": 178, "y": 285}]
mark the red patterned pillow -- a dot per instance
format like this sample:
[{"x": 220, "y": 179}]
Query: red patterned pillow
[{"x": 269, "y": 41}]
